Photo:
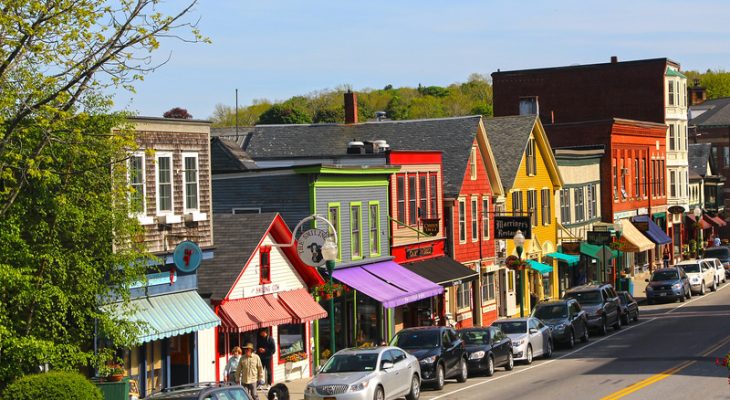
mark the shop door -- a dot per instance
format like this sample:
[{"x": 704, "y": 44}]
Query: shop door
[
  {"x": 181, "y": 360},
  {"x": 507, "y": 293}
]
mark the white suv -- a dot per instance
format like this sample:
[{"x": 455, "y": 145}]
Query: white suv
[
  {"x": 701, "y": 275},
  {"x": 719, "y": 269}
]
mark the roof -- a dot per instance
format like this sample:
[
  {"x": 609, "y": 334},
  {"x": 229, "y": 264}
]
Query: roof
[
  {"x": 227, "y": 156},
  {"x": 717, "y": 114},
  {"x": 627, "y": 64},
  {"x": 452, "y": 136},
  {"x": 698, "y": 155}
]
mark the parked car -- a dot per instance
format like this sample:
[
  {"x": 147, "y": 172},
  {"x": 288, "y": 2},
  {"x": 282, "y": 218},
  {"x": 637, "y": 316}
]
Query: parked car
[
  {"x": 668, "y": 283},
  {"x": 629, "y": 307},
  {"x": 719, "y": 269},
  {"x": 487, "y": 348},
  {"x": 566, "y": 319},
  {"x": 367, "y": 373},
  {"x": 700, "y": 275},
  {"x": 203, "y": 390},
  {"x": 600, "y": 303},
  {"x": 722, "y": 253},
  {"x": 530, "y": 338},
  {"x": 440, "y": 351}
]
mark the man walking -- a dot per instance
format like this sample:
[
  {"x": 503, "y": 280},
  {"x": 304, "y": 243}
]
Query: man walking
[
  {"x": 250, "y": 372},
  {"x": 266, "y": 349}
]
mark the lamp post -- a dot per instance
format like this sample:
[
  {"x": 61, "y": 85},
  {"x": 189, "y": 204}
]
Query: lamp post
[
  {"x": 619, "y": 256},
  {"x": 519, "y": 240},
  {"x": 698, "y": 214},
  {"x": 329, "y": 252}
]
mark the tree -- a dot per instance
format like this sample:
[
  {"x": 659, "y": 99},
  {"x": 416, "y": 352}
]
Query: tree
[
  {"x": 177, "y": 112},
  {"x": 329, "y": 116},
  {"x": 282, "y": 114}
]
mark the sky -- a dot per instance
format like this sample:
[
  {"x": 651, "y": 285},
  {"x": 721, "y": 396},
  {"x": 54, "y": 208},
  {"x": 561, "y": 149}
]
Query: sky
[{"x": 276, "y": 49}]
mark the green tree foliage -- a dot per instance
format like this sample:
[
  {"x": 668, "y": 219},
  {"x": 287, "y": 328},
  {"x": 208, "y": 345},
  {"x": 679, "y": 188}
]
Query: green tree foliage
[
  {"x": 716, "y": 82},
  {"x": 329, "y": 116},
  {"x": 284, "y": 114},
  {"x": 53, "y": 386}
]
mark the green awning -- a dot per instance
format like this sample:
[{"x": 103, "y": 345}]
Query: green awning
[
  {"x": 169, "y": 315},
  {"x": 540, "y": 267},
  {"x": 570, "y": 259},
  {"x": 594, "y": 251}
]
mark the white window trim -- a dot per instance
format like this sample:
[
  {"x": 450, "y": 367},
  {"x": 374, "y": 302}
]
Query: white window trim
[
  {"x": 461, "y": 215},
  {"x": 185, "y": 183},
  {"x": 142, "y": 217},
  {"x": 474, "y": 212},
  {"x": 158, "y": 155},
  {"x": 473, "y": 163},
  {"x": 485, "y": 217}
]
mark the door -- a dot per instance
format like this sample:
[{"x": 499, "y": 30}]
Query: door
[
  {"x": 499, "y": 345},
  {"x": 507, "y": 292},
  {"x": 451, "y": 351},
  {"x": 403, "y": 372},
  {"x": 611, "y": 304},
  {"x": 388, "y": 377},
  {"x": 535, "y": 337}
]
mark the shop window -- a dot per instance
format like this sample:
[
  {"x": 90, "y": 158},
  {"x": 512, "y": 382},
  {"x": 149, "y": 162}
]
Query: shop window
[
  {"x": 291, "y": 341},
  {"x": 401, "y": 198},
  {"x": 265, "y": 264},
  {"x": 488, "y": 287},
  {"x": 463, "y": 295}
]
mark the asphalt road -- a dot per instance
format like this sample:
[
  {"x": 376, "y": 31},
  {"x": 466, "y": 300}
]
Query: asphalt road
[{"x": 670, "y": 353}]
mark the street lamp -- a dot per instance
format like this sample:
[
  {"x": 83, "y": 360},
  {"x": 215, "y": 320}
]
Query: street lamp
[
  {"x": 329, "y": 252},
  {"x": 617, "y": 229},
  {"x": 519, "y": 240},
  {"x": 698, "y": 214}
]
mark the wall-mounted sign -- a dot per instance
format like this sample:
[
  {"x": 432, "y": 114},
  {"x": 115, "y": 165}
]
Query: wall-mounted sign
[
  {"x": 599, "y": 238},
  {"x": 415, "y": 252},
  {"x": 258, "y": 290},
  {"x": 187, "y": 256},
  {"x": 571, "y": 247},
  {"x": 309, "y": 246},
  {"x": 676, "y": 209},
  {"x": 506, "y": 227},
  {"x": 430, "y": 226}
]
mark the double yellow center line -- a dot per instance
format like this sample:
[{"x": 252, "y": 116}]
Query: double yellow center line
[{"x": 664, "y": 374}]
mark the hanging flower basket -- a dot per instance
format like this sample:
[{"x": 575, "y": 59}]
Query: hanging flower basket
[{"x": 328, "y": 291}]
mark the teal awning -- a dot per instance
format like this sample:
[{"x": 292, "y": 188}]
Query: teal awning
[
  {"x": 594, "y": 251},
  {"x": 569, "y": 259},
  {"x": 169, "y": 315},
  {"x": 540, "y": 267}
]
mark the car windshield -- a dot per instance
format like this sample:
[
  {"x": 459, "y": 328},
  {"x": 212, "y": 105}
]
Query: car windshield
[
  {"x": 664, "y": 276},
  {"x": 689, "y": 268},
  {"x": 417, "y": 339},
  {"x": 717, "y": 252},
  {"x": 512, "y": 326},
  {"x": 351, "y": 363},
  {"x": 475, "y": 336},
  {"x": 551, "y": 311},
  {"x": 623, "y": 297},
  {"x": 593, "y": 297}
]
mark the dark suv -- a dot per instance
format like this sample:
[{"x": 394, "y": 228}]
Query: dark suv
[
  {"x": 722, "y": 253},
  {"x": 601, "y": 304},
  {"x": 565, "y": 318},
  {"x": 440, "y": 352},
  {"x": 668, "y": 283},
  {"x": 203, "y": 391}
]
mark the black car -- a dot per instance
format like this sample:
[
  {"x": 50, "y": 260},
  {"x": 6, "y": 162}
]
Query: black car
[
  {"x": 203, "y": 391},
  {"x": 600, "y": 303},
  {"x": 629, "y": 307},
  {"x": 722, "y": 253},
  {"x": 487, "y": 348},
  {"x": 668, "y": 284},
  {"x": 440, "y": 351},
  {"x": 566, "y": 320}
]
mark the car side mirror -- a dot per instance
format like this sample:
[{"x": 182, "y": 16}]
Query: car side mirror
[
  {"x": 387, "y": 365},
  {"x": 533, "y": 330}
]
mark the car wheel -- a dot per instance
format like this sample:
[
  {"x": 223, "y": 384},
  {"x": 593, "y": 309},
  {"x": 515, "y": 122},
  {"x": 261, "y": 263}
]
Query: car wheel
[
  {"x": 702, "y": 289},
  {"x": 510, "y": 362},
  {"x": 549, "y": 351},
  {"x": 604, "y": 328},
  {"x": 636, "y": 316},
  {"x": 714, "y": 285},
  {"x": 528, "y": 355},
  {"x": 415, "y": 388},
  {"x": 463, "y": 374},
  {"x": 625, "y": 318},
  {"x": 490, "y": 366},
  {"x": 584, "y": 338},
  {"x": 440, "y": 377},
  {"x": 379, "y": 394}
]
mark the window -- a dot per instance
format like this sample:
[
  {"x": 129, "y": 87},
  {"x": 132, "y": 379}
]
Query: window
[
  {"x": 594, "y": 201},
  {"x": 374, "y": 225},
  {"x": 463, "y": 295},
  {"x": 264, "y": 265},
  {"x": 565, "y": 206},
  {"x": 474, "y": 219},
  {"x": 545, "y": 201},
  {"x": 190, "y": 181},
  {"x": 164, "y": 183},
  {"x": 473, "y": 163},
  {"x": 637, "y": 182},
  {"x": 355, "y": 232},
  {"x": 671, "y": 140},
  {"x": 615, "y": 180},
  {"x": 488, "y": 288},
  {"x": 624, "y": 172},
  {"x": 412, "y": 200},
  {"x": 136, "y": 183},
  {"x": 532, "y": 206},
  {"x": 663, "y": 175},
  {"x": 485, "y": 217},
  {"x": 333, "y": 216},
  {"x": 401, "y": 198},
  {"x": 530, "y": 158},
  {"x": 434, "y": 210},
  {"x": 462, "y": 220},
  {"x": 579, "y": 213},
  {"x": 672, "y": 184},
  {"x": 644, "y": 180},
  {"x": 290, "y": 340},
  {"x": 589, "y": 200},
  {"x": 517, "y": 203},
  {"x": 423, "y": 198},
  {"x": 726, "y": 155},
  {"x": 670, "y": 91},
  {"x": 529, "y": 106}
]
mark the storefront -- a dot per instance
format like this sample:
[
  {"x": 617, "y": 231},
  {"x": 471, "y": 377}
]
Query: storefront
[
  {"x": 654, "y": 233},
  {"x": 567, "y": 265},
  {"x": 634, "y": 247}
]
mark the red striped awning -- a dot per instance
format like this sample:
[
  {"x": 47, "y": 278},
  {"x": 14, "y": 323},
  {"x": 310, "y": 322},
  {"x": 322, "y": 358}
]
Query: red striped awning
[
  {"x": 703, "y": 223},
  {"x": 302, "y": 306},
  {"x": 254, "y": 313},
  {"x": 717, "y": 221}
]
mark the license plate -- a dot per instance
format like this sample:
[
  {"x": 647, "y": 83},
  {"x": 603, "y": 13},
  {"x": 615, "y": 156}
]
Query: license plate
[
  {"x": 330, "y": 398},
  {"x": 662, "y": 294}
]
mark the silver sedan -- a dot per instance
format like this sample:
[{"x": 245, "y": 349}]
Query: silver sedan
[
  {"x": 530, "y": 338},
  {"x": 378, "y": 373}
]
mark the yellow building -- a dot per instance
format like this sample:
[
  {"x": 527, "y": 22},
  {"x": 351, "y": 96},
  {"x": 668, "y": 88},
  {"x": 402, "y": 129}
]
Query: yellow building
[{"x": 531, "y": 178}]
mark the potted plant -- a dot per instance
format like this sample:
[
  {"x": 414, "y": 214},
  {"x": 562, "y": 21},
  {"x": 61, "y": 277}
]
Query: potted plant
[
  {"x": 328, "y": 291},
  {"x": 112, "y": 372}
]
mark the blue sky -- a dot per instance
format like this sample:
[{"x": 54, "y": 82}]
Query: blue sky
[{"x": 275, "y": 49}]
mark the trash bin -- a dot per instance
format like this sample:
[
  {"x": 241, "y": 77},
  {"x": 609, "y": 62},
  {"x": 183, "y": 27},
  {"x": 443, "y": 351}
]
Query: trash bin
[{"x": 115, "y": 390}]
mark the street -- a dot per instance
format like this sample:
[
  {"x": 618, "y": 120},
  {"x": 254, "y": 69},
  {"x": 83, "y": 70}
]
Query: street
[{"x": 670, "y": 353}]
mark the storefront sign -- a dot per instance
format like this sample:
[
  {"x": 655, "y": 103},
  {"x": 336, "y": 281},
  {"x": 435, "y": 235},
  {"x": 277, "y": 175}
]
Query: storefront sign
[
  {"x": 430, "y": 226},
  {"x": 419, "y": 252},
  {"x": 187, "y": 256},
  {"x": 599, "y": 238},
  {"x": 309, "y": 246},
  {"x": 260, "y": 289},
  {"x": 570, "y": 248},
  {"x": 506, "y": 227},
  {"x": 676, "y": 209}
]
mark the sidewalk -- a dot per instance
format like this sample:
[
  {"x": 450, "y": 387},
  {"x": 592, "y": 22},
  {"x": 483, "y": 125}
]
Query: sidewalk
[
  {"x": 296, "y": 389},
  {"x": 640, "y": 287}
]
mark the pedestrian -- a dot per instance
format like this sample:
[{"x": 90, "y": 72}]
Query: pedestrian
[
  {"x": 266, "y": 349},
  {"x": 230, "y": 371},
  {"x": 716, "y": 241},
  {"x": 250, "y": 372},
  {"x": 666, "y": 257}
]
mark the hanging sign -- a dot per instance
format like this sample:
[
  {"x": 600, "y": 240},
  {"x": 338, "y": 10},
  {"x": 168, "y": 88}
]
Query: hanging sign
[
  {"x": 506, "y": 227},
  {"x": 187, "y": 256},
  {"x": 599, "y": 238},
  {"x": 309, "y": 246},
  {"x": 676, "y": 209},
  {"x": 430, "y": 226}
]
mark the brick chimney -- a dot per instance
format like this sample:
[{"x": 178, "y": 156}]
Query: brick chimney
[
  {"x": 697, "y": 94},
  {"x": 614, "y": 59},
  {"x": 350, "y": 107}
]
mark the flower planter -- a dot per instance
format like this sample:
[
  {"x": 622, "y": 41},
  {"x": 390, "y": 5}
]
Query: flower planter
[{"x": 114, "y": 378}]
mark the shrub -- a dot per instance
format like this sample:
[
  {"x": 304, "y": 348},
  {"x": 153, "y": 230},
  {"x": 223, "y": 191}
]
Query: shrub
[{"x": 56, "y": 385}]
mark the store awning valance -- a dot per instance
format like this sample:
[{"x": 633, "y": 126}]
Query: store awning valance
[
  {"x": 597, "y": 252},
  {"x": 253, "y": 313},
  {"x": 168, "y": 315},
  {"x": 388, "y": 282},
  {"x": 569, "y": 259},
  {"x": 540, "y": 267},
  {"x": 654, "y": 233},
  {"x": 444, "y": 271},
  {"x": 703, "y": 223},
  {"x": 632, "y": 240},
  {"x": 302, "y": 306}
]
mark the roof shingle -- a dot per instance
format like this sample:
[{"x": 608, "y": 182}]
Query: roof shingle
[{"x": 508, "y": 137}]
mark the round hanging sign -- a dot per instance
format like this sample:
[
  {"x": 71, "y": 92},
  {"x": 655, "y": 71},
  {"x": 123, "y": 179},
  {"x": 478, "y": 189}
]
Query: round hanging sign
[
  {"x": 187, "y": 256},
  {"x": 309, "y": 246},
  {"x": 675, "y": 209}
]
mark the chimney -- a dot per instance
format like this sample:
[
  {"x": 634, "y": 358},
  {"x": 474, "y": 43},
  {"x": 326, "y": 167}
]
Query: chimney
[
  {"x": 614, "y": 59},
  {"x": 350, "y": 107},
  {"x": 697, "y": 94}
]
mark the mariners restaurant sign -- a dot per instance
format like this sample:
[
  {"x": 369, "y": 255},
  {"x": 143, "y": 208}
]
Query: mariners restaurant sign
[{"x": 506, "y": 227}]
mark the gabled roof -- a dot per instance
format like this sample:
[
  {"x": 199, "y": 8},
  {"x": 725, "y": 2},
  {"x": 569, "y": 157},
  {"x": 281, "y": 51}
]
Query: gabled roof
[
  {"x": 508, "y": 136},
  {"x": 698, "y": 156},
  {"x": 717, "y": 114},
  {"x": 237, "y": 237},
  {"x": 452, "y": 136},
  {"x": 227, "y": 156}
]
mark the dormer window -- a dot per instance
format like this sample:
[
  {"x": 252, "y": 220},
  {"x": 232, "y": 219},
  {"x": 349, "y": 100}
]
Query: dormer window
[{"x": 265, "y": 265}]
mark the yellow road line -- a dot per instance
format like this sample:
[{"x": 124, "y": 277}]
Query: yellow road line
[{"x": 664, "y": 374}]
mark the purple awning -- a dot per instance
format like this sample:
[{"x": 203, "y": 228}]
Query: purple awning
[{"x": 388, "y": 282}]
